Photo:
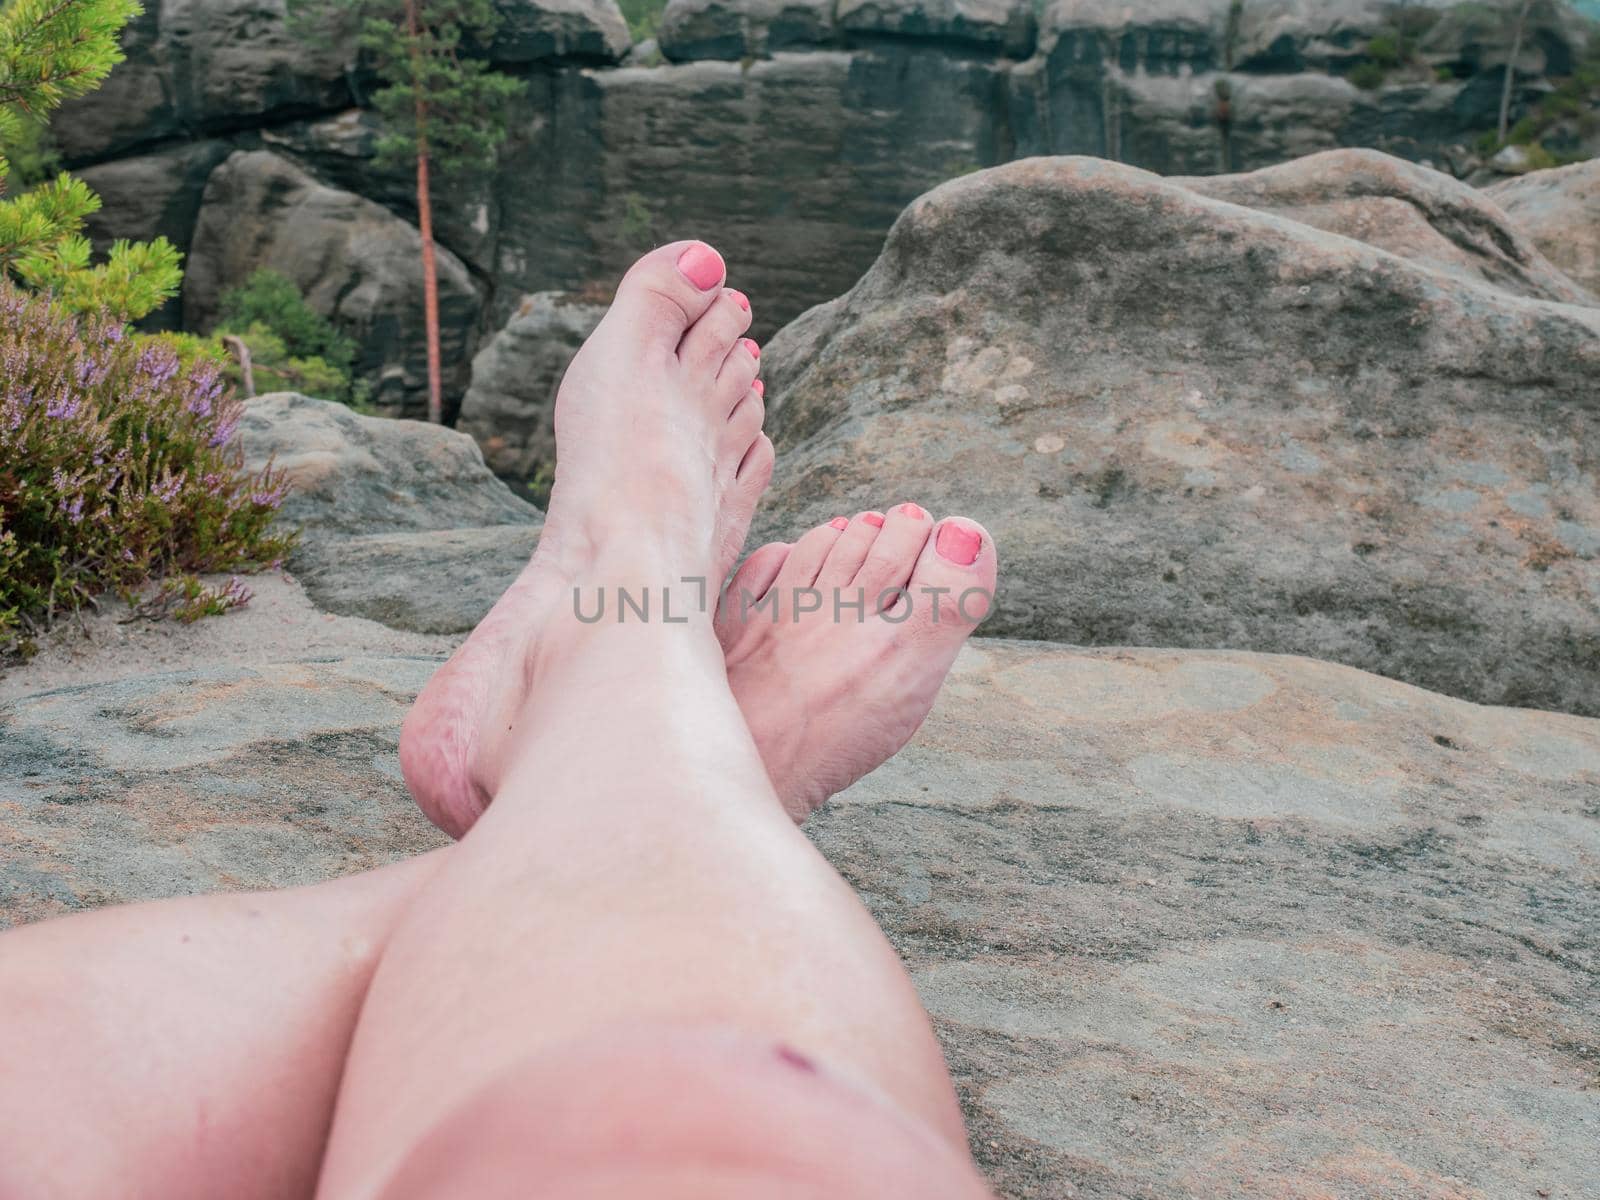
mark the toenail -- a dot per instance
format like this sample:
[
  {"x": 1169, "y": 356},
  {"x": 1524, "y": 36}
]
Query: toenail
[
  {"x": 958, "y": 544},
  {"x": 873, "y": 519},
  {"x": 741, "y": 300},
  {"x": 758, "y": 387},
  {"x": 755, "y": 350},
  {"x": 701, "y": 266},
  {"x": 839, "y": 523},
  {"x": 914, "y": 511}
]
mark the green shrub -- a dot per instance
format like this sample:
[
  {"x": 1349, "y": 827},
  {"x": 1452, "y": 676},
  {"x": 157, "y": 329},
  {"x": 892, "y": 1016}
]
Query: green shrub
[
  {"x": 292, "y": 346},
  {"x": 118, "y": 465},
  {"x": 643, "y": 17},
  {"x": 1384, "y": 49},
  {"x": 1367, "y": 75}
]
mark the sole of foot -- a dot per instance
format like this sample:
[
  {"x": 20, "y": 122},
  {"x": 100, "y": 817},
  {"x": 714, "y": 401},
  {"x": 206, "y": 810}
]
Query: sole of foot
[{"x": 659, "y": 443}]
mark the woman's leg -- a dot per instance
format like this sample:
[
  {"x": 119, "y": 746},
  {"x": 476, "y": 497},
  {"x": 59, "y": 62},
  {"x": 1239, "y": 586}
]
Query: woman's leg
[
  {"x": 637, "y": 884},
  {"x": 188, "y": 1047}
]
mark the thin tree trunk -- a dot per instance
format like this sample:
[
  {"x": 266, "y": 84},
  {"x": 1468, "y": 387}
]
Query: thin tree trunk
[
  {"x": 241, "y": 352},
  {"x": 430, "y": 269},
  {"x": 1511, "y": 71}
]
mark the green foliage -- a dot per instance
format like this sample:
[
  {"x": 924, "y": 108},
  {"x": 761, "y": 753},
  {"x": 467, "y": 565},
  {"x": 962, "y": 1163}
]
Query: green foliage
[
  {"x": 50, "y": 51},
  {"x": 637, "y": 224},
  {"x": 1384, "y": 49},
  {"x": 292, "y": 346},
  {"x": 1367, "y": 75},
  {"x": 434, "y": 96},
  {"x": 643, "y": 17},
  {"x": 118, "y": 465},
  {"x": 32, "y": 153}
]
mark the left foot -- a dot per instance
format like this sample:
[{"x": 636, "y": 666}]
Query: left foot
[{"x": 667, "y": 379}]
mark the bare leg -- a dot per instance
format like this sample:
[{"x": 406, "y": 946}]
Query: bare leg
[
  {"x": 637, "y": 882},
  {"x": 187, "y": 1047}
]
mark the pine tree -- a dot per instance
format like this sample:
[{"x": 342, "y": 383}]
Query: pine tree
[
  {"x": 51, "y": 51},
  {"x": 442, "y": 108}
]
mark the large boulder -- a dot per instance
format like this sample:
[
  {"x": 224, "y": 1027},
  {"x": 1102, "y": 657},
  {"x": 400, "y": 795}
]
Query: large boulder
[
  {"x": 401, "y": 520},
  {"x": 1560, "y": 210},
  {"x": 545, "y": 31},
  {"x": 1405, "y": 209},
  {"x": 212, "y": 66},
  {"x": 737, "y": 29},
  {"x": 1179, "y": 917},
  {"x": 1193, "y": 423},
  {"x": 356, "y": 262},
  {"x": 510, "y": 405},
  {"x": 1004, "y": 26}
]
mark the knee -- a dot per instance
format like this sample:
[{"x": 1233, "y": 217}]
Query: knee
[{"x": 672, "y": 1111}]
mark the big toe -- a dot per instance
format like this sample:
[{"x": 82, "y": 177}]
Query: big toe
[
  {"x": 667, "y": 291},
  {"x": 951, "y": 588}
]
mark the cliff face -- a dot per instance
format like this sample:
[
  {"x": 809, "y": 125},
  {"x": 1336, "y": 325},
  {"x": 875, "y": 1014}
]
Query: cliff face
[{"x": 790, "y": 132}]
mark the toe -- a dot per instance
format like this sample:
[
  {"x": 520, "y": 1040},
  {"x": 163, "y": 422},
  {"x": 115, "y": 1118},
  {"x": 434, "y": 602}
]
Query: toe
[
  {"x": 749, "y": 584},
  {"x": 755, "y": 470},
  {"x": 952, "y": 587},
  {"x": 738, "y": 372},
  {"x": 893, "y": 555},
  {"x": 850, "y": 551},
  {"x": 808, "y": 555},
  {"x": 667, "y": 291},
  {"x": 743, "y": 427},
  {"x": 705, "y": 346}
]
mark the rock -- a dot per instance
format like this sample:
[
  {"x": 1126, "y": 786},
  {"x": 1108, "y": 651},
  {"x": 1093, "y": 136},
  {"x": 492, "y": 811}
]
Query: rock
[
  {"x": 1405, "y": 209},
  {"x": 543, "y": 31},
  {"x": 351, "y": 474},
  {"x": 736, "y": 29},
  {"x": 1178, "y": 916},
  {"x": 402, "y": 521},
  {"x": 1560, "y": 210},
  {"x": 510, "y": 402},
  {"x": 1004, "y": 26},
  {"x": 149, "y": 196},
  {"x": 1511, "y": 160},
  {"x": 356, "y": 262},
  {"x": 206, "y": 65},
  {"x": 1191, "y": 423}
]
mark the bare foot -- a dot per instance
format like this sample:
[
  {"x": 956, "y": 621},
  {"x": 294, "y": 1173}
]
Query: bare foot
[
  {"x": 836, "y": 646},
  {"x": 669, "y": 376}
]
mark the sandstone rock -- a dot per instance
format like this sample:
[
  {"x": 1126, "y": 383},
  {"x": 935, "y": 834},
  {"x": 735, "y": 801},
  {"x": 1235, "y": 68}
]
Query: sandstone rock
[
  {"x": 207, "y": 65},
  {"x": 351, "y": 474},
  {"x": 1005, "y": 26},
  {"x": 356, "y": 262},
  {"x": 542, "y": 31},
  {"x": 1179, "y": 917},
  {"x": 1560, "y": 210},
  {"x": 736, "y": 29},
  {"x": 510, "y": 402},
  {"x": 1192, "y": 423},
  {"x": 402, "y": 521},
  {"x": 1405, "y": 209}
]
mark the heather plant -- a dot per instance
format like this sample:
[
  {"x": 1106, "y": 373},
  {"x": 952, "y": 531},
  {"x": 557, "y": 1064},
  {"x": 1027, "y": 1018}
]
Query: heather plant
[{"x": 119, "y": 465}]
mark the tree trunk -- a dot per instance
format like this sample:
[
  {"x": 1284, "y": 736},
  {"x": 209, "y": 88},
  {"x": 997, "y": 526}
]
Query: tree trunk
[
  {"x": 1511, "y": 71},
  {"x": 241, "y": 352},
  {"x": 430, "y": 269}
]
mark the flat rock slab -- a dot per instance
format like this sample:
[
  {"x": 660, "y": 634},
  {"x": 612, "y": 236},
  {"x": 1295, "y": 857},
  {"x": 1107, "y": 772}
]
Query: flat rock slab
[{"x": 1189, "y": 923}]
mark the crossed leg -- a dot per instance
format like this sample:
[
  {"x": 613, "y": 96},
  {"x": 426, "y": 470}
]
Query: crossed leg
[{"x": 645, "y": 927}]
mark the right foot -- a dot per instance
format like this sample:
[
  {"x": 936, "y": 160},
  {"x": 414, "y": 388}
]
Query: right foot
[
  {"x": 836, "y": 646},
  {"x": 667, "y": 379}
]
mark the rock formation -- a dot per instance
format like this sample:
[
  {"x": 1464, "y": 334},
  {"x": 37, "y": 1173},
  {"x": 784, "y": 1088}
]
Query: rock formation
[
  {"x": 1193, "y": 423},
  {"x": 1560, "y": 210},
  {"x": 827, "y": 120}
]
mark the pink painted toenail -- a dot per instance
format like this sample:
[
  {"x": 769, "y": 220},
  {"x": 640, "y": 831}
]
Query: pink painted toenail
[
  {"x": 839, "y": 523},
  {"x": 758, "y": 387},
  {"x": 701, "y": 266},
  {"x": 957, "y": 544},
  {"x": 741, "y": 300},
  {"x": 755, "y": 350},
  {"x": 873, "y": 519},
  {"x": 914, "y": 511}
]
